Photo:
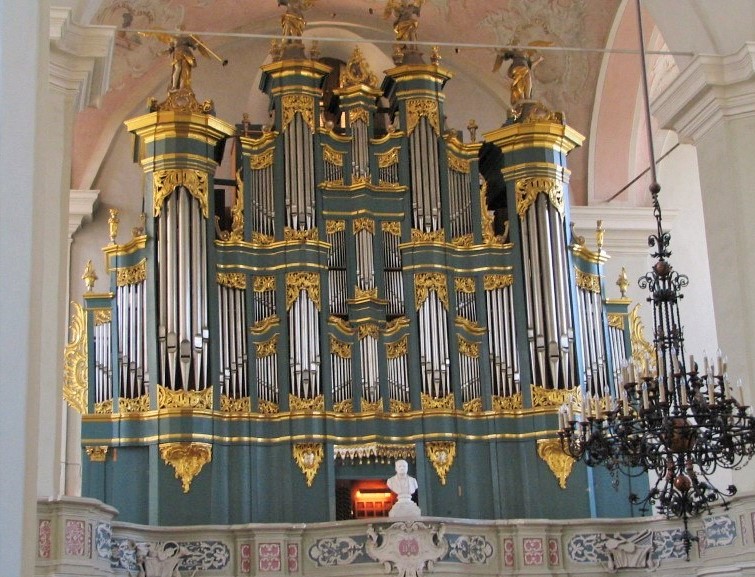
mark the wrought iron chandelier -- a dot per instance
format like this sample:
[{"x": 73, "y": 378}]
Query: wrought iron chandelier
[{"x": 675, "y": 419}]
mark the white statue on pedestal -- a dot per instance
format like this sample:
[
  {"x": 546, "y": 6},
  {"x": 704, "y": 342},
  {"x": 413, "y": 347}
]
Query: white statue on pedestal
[{"x": 404, "y": 486}]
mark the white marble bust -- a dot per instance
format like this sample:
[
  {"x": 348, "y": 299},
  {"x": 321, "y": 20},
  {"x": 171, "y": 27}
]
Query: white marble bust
[{"x": 404, "y": 485}]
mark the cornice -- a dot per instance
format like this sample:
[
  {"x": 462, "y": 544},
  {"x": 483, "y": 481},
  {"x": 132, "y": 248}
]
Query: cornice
[
  {"x": 80, "y": 206},
  {"x": 80, "y": 58},
  {"x": 710, "y": 89}
]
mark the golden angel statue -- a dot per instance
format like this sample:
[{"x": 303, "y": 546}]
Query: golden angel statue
[
  {"x": 520, "y": 70},
  {"x": 292, "y": 21},
  {"x": 181, "y": 48},
  {"x": 406, "y": 18}
]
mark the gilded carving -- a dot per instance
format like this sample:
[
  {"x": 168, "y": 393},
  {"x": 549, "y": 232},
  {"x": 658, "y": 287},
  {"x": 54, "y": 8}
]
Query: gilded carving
[
  {"x": 642, "y": 350},
  {"x": 616, "y": 321},
  {"x": 301, "y": 103},
  {"x": 396, "y": 406},
  {"x": 361, "y": 224},
  {"x": 488, "y": 232},
  {"x": 233, "y": 280},
  {"x": 97, "y": 454},
  {"x": 357, "y": 71},
  {"x": 113, "y": 223},
  {"x": 268, "y": 348},
  {"x": 335, "y": 226},
  {"x": 166, "y": 181},
  {"x": 237, "y": 211},
  {"x": 104, "y": 408},
  {"x": 75, "y": 367},
  {"x": 262, "y": 160},
  {"x": 263, "y": 325},
  {"x": 388, "y": 158},
  {"x": 431, "y": 236},
  {"x": 510, "y": 403},
  {"x": 433, "y": 403},
  {"x": 468, "y": 348},
  {"x": 239, "y": 405},
  {"x": 458, "y": 164},
  {"x": 473, "y": 406},
  {"x": 463, "y": 240},
  {"x": 300, "y": 235},
  {"x": 391, "y": 227},
  {"x": 308, "y": 457},
  {"x": 380, "y": 451},
  {"x": 346, "y": 407},
  {"x": 341, "y": 324},
  {"x": 129, "y": 275},
  {"x": 135, "y": 405},
  {"x": 359, "y": 114},
  {"x": 298, "y": 404},
  {"x": 527, "y": 190},
  {"x": 187, "y": 459},
  {"x": 464, "y": 284},
  {"x": 441, "y": 455},
  {"x": 560, "y": 463},
  {"x": 430, "y": 281},
  {"x": 179, "y": 399},
  {"x": 416, "y": 108},
  {"x": 308, "y": 282},
  {"x": 90, "y": 276},
  {"x": 332, "y": 156},
  {"x": 587, "y": 281},
  {"x": 374, "y": 407},
  {"x": 339, "y": 348},
  {"x": 262, "y": 239},
  {"x": 267, "y": 407},
  {"x": 470, "y": 326},
  {"x": 491, "y": 282},
  {"x": 102, "y": 316},
  {"x": 368, "y": 330},
  {"x": 397, "y": 349},
  {"x": 365, "y": 294},
  {"x": 392, "y": 327},
  {"x": 263, "y": 284},
  {"x": 542, "y": 397}
]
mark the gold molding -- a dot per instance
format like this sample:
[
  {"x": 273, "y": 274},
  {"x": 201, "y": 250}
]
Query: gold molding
[
  {"x": 374, "y": 407},
  {"x": 180, "y": 399},
  {"x": 434, "y": 404},
  {"x": 458, "y": 164},
  {"x": 268, "y": 348},
  {"x": 187, "y": 459},
  {"x": 560, "y": 463},
  {"x": 339, "y": 348},
  {"x": 308, "y": 457},
  {"x": 332, "y": 156},
  {"x": 135, "y": 405},
  {"x": 391, "y": 227},
  {"x": 301, "y": 103},
  {"x": 473, "y": 406},
  {"x": 616, "y": 320},
  {"x": 164, "y": 182},
  {"x": 388, "y": 158},
  {"x": 129, "y": 275},
  {"x": 341, "y": 324},
  {"x": 425, "y": 282},
  {"x": 97, "y": 454},
  {"x": 237, "y": 405},
  {"x": 308, "y": 282},
  {"x": 527, "y": 190},
  {"x": 360, "y": 224},
  {"x": 397, "y": 349},
  {"x": 468, "y": 348},
  {"x": 497, "y": 281},
  {"x": 464, "y": 284},
  {"x": 506, "y": 404},
  {"x": 262, "y": 160},
  {"x": 587, "y": 281},
  {"x": 298, "y": 404},
  {"x": 416, "y": 108},
  {"x": 542, "y": 397},
  {"x": 344, "y": 407},
  {"x": 268, "y": 407},
  {"x": 470, "y": 326},
  {"x": 264, "y": 325},
  {"x": 334, "y": 226},
  {"x": 441, "y": 455},
  {"x": 233, "y": 280},
  {"x": 75, "y": 363},
  {"x": 382, "y": 451}
]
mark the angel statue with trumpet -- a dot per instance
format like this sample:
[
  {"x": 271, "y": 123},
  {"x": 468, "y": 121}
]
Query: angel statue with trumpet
[
  {"x": 523, "y": 61},
  {"x": 181, "y": 48}
]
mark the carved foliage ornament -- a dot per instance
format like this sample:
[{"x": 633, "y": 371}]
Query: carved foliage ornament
[
  {"x": 441, "y": 455},
  {"x": 339, "y": 348},
  {"x": 308, "y": 457},
  {"x": 497, "y": 281},
  {"x": 357, "y": 115},
  {"x": 416, "y": 108},
  {"x": 616, "y": 320},
  {"x": 424, "y": 283},
  {"x": 262, "y": 160},
  {"x": 397, "y": 349},
  {"x": 392, "y": 227},
  {"x": 361, "y": 224},
  {"x": 528, "y": 189},
  {"x": 75, "y": 367},
  {"x": 187, "y": 459},
  {"x": 464, "y": 284},
  {"x": 587, "y": 281},
  {"x": 97, "y": 454},
  {"x": 332, "y": 156},
  {"x": 309, "y": 282},
  {"x": 301, "y": 103},
  {"x": 264, "y": 283},
  {"x": 411, "y": 547},
  {"x": 458, "y": 164},
  {"x": 504, "y": 404},
  {"x": 335, "y": 226},
  {"x": 268, "y": 348},
  {"x": 542, "y": 397},
  {"x": 237, "y": 211},
  {"x": 166, "y": 181},
  {"x": 129, "y": 275},
  {"x": 560, "y": 463},
  {"x": 233, "y": 280},
  {"x": 182, "y": 399},
  {"x": 468, "y": 348},
  {"x": 641, "y": 348},
  {"x": 388, "y": 158},
  {"x": 437, "y": 404},
  {"x": 231, "y": 405},
  {"x": 358, "y": 71},
  {"x": 298, "y": 404}
]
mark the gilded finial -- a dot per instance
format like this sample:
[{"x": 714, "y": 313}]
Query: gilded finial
[
  {"x": 113, "y": 222},
  {"x": 472, "y": 127},
  {"x": 623, "y": 282},
  {"x": 599, "y": 235},
  {"x": 89, "y": 277},
  {"x": 357, "y": 71},
  {"x": 435, "y": 57}
]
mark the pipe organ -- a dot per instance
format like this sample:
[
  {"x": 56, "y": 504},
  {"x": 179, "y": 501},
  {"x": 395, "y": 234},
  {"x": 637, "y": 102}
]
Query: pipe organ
[{"x": 362, "y": 295}]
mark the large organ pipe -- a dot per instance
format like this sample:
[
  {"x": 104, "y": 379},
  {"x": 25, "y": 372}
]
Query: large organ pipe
[{"x": 549, "y": 281}]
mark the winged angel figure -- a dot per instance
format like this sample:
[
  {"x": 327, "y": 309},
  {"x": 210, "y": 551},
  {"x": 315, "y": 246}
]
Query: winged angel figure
[
  {"x": 520, "y": 70},
  {"x": 181, "y": 48},
  {"x": 406, "y": 18},
  {"x": 292, "y": 22}
]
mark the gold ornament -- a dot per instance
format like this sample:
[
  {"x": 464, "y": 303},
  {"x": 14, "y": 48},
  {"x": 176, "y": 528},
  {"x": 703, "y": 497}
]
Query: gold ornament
[
  {"x": 129, "y": 275},
  {"x": 560, "y": 463},
  {"x": 528, "y": 189},
  {"x": 309, "y": 282},
  {"x": 187, "y": 459},
  {"x": 166, "y": 181},
  {"x": 298, "y": 103},
  {"x": 75, "y": 366},
  {"x": 181, "y": 399},
  {"x": 89, "y": 277},
  {"x": 416, "y": 108},
  {"x": 97, "y": 454},
  {"x": 232, "y": 280},
  {"x": 587, "y": 281},
  {"x": 308, "y": 457},
  {"x": 441, "y": 455},
  {"x": 424, "y": 283}
]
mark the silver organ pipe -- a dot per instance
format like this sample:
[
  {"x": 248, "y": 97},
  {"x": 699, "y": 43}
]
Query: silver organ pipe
[
  {"x": 618, "y": 353},
  {"x": 398, "y": 371},
  {"x": 130, "y": 304},
  {"x": 262, "y": 195},
  {"x": 370, "y": 370},
  {"x": 469, "y": 371},
  {"x": 340, "y": 360},
  {"x": 504, "y": 363},
  {"x": 425, "y": 182},
  {"x": 183, "y": 305},
  {"x": 389, "y": 174},
  {"x": 304, "y": 347},
  {"x": 102, "y": 362},
  {"x": 365, "y": 257},
  {"x": 266, "y": 360},
  {"x": 466, "y": 305},
  {"x": 549, "y": 283},
  {"x": 337, "y": 269},
  {"x": 233, "y": 354},
  {"x": 359, "y": 150},
  {"x": 460, "y": 203},
  {"x": 394, "y": 283},
  {"x": 434, "y": 359},
  {"x": 300, "y": 175}
]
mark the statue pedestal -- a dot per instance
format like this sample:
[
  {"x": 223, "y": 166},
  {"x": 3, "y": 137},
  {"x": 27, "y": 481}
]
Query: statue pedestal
[{"x": 405, "y": 507}]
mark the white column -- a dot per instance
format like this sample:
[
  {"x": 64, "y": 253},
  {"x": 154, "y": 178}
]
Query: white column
[{"x": 712, "y": 105}]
